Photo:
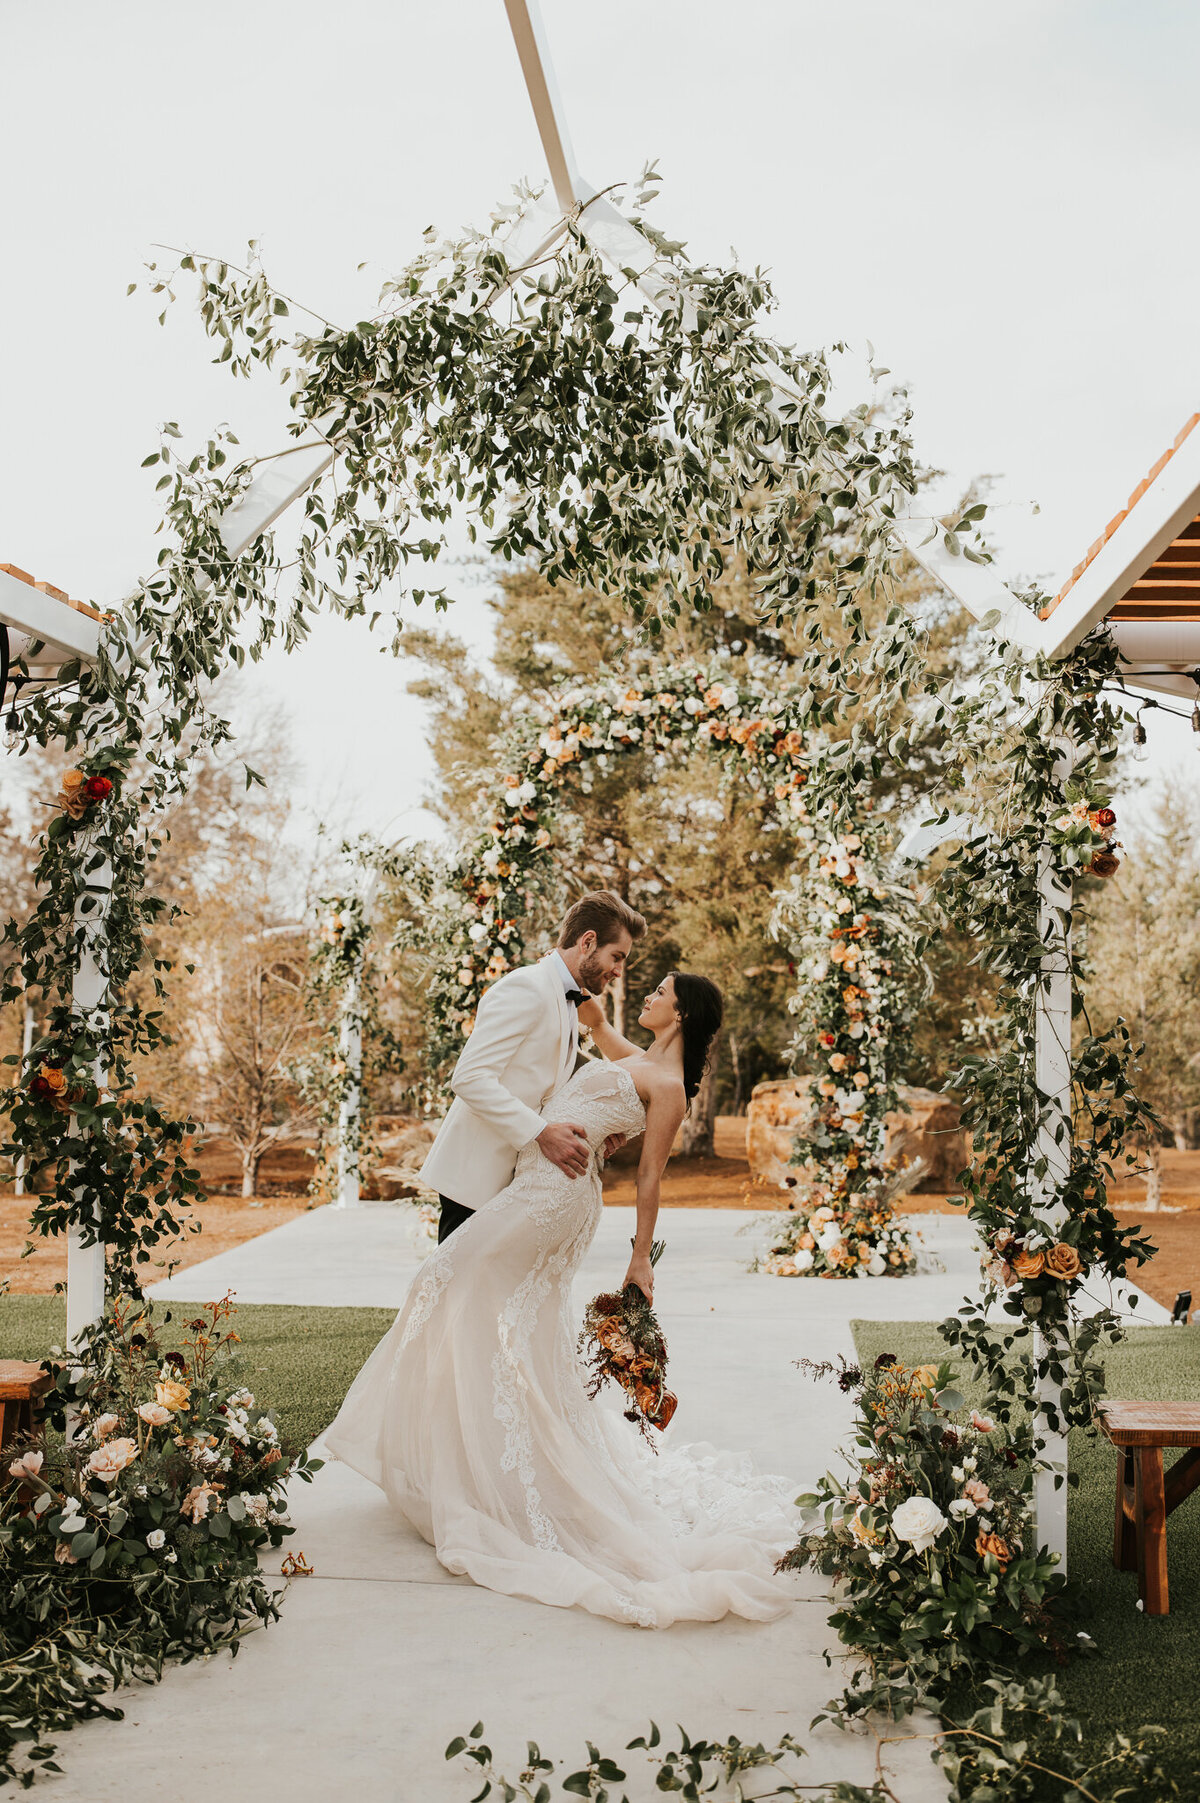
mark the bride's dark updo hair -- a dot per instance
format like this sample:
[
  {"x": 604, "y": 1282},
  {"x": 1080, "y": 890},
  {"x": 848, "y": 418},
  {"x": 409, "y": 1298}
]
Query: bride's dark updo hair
[{"x": 700, "y": 1009}]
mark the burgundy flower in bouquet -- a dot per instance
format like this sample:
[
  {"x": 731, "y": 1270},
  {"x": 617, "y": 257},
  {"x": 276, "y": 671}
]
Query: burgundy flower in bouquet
[{"x": 623, "y": 1343}]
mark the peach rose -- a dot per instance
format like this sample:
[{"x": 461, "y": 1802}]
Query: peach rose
[
  {"x": 198, "y": 1501},
  {"x": 154, "y": 1414},
  {"x": 105, "y": 1425},
  {"x": 109, "y": 1461},
  {"x": 63, "y": 1554},
  {"x": 172, "y": 1395},
  {"x": 837, "y": 1061},
  {"x": 27, "y": 1466},
  {"x": 983, "y": 1424},
  {"x": 1028, "y": 1264},
  {"x": 806, "y": 1242},
  {"x": 978, "y": 1492},
  {"x": 1063, "y": 1262},
  {"x": 926, "y": 1376}
]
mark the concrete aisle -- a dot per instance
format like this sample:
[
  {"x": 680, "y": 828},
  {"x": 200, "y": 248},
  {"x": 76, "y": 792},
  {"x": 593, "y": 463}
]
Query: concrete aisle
[{"x": 382, "y": 1657}]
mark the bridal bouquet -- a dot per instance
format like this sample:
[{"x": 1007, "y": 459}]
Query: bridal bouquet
[{"x": 623, "y": 1344}]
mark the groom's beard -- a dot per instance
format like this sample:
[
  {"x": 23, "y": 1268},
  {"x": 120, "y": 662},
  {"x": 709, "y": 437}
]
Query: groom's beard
[{"x": 593, "y": 976}]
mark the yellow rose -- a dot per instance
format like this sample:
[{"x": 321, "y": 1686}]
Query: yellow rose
[{"x": 172, "y": 1395}]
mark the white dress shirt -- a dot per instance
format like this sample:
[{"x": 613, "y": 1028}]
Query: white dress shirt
[{"x": 568, "y": 983}]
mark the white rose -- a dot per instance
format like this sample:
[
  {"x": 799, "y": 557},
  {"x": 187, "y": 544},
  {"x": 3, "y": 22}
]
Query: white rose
[
  {"x": 693, "y": 705},
  {"x": 803, "y": 1259},
  {"x": 477, "y": 932},
  {"x": 961, "y": 1507},
  {"x": 877, "y": 1265},
  {"x": 256, "y": 1508},
  {"x": 156, "y": 1539},
  {"x": 491, "y": 858},
  {"x": 919, "y": 1521},
  {"x": 527, "y": 791},
  {"x": 829, "y": 1237}
]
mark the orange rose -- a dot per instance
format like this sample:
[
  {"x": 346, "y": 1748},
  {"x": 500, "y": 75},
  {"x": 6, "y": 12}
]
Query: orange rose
[
  {"x": 1063, "y": 1262},
  {"x": 806, "y": 1242},
  {"x": 992, "y": 1545},
  {"x": 1028, "y": 1264}
]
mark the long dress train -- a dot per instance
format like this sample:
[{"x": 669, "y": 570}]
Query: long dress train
[{"x": 472, "y": 1415}]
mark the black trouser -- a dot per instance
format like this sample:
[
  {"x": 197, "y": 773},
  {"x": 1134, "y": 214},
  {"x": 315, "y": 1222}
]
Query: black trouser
[{"x": 453, "y": 1215}]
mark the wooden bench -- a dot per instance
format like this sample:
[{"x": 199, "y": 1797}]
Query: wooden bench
[
  {"x": 22, "y": 1387},
  {"x": 1145, "y": 1495}
]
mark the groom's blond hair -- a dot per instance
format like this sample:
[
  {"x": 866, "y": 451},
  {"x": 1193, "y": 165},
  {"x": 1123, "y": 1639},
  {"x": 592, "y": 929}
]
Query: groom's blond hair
[{"x": 601, "y": 912}]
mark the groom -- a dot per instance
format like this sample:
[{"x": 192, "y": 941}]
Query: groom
[{"x": 523, "y": 1047}]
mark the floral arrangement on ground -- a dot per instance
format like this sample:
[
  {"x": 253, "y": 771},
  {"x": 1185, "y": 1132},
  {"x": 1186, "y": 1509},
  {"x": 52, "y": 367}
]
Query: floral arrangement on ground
[
  {"x": 930, "y": 1540},
  {"x": 860, "y": 979},
  {"x": 135, "y": 1535}
]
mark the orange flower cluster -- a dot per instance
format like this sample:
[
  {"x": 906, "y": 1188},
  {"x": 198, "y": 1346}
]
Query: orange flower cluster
[
  {"x": 78, "y": 792},
  {"x": 624, "y": 1344},
  {"x": 1012, "y": 1261}
]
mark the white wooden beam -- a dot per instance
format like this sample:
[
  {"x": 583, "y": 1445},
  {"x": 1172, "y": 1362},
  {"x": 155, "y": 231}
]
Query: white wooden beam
[
  {"x": 63, "y": 630},
  {"x": 533, "y": 49}
]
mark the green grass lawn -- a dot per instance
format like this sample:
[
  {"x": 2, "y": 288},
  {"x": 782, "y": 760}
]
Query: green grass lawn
[
  {"x": 298, "y": 1361},
  {"x": 1148, "y": 1669}
]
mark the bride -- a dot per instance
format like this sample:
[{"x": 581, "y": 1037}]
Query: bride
[{"x": 472, "y": 1412}]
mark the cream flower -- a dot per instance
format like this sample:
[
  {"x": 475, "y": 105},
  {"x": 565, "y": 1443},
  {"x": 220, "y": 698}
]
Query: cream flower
[
  {"x": 104, "y": 1425},
  {"x": 919, "y": 1521},
  {"x": 28, "y": 1465},
  {"x": 172, "y": 1395},
  {"x": 156, "y": 1539},
  {"x": 154, "y": 1414}
]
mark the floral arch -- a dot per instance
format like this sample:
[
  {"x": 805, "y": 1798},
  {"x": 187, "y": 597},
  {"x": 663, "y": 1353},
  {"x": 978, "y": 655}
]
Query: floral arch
[
  {"x": 850, "y": 931},
  {"x": 512, "y": 864}
]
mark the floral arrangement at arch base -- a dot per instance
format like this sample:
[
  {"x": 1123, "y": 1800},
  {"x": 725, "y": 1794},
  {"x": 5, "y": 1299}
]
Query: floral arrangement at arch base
[
  {"x": 860, "y": 980},
  {"x": 136, "y": 1535},
  {"x": 930, "y": 1539}
]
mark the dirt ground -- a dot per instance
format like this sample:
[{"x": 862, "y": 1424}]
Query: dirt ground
[{"x": 724, "y": 1181}]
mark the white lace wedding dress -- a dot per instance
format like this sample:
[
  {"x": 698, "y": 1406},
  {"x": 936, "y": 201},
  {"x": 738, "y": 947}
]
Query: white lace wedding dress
[{"x": 472, "y": 1415}]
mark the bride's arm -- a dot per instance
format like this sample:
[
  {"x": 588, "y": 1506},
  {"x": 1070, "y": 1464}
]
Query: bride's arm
[
  {"x": 608, "y": 1042},
  {"x": 665, "y": 1109}
]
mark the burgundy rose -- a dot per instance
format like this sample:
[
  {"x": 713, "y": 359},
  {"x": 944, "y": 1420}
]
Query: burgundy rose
[
  {"x": 97, "y": 788},
  {"x": 39, "y": 1087},
  {"x": 1105, "y": 817}
]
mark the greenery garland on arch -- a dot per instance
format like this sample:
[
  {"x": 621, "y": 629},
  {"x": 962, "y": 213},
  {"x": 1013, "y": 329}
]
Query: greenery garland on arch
[{"x": 630, "y": 447}]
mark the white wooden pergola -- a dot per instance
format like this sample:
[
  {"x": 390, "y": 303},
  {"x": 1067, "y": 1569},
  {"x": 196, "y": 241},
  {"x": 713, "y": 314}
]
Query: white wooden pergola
[{"x": 1161, "y": 649}]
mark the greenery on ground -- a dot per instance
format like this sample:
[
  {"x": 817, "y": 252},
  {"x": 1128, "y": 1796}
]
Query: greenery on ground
[
  {"x": 1145, "y": 1665},
  {"x": 302, "y": 1359}
]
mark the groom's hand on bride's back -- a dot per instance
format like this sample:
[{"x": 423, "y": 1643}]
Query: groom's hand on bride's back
[{"x": 566, "y": 1146}]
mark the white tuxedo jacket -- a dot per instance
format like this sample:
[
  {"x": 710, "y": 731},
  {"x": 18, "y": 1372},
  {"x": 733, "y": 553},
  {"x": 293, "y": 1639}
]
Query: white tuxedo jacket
[{"x": 519, "y": 1053}]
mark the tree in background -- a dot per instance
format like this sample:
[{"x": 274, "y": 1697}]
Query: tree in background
[{"x": 1143, "y": 945}]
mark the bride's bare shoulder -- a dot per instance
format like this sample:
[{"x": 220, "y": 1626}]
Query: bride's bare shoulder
[{"x": 656, "y": 1085}]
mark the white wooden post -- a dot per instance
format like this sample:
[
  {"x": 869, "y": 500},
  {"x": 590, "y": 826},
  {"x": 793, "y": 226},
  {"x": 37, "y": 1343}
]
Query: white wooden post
[
  {"x": 26, "y": 1048},
  {"x": 1052, "y": 1074},
  {"x": 350, "y": 1111},
  {"x": 85, "y": 1264}
]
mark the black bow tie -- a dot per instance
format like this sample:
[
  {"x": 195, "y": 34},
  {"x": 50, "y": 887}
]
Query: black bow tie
[{"x": 575, "y": 996}]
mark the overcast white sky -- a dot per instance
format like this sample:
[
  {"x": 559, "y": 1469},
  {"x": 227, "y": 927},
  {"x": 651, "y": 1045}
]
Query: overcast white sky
[{"x": 999, "y": 196}]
